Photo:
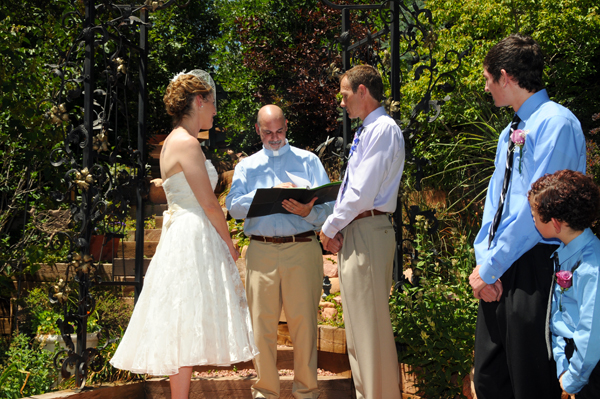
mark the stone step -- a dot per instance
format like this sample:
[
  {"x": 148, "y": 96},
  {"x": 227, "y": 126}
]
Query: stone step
[
  {"x": 125, "y": 267},
  {"x": 158, "y": 221},
  {"x": 149, "y": 234},
  {"x": 331, "y": 387},
  {"x": 128, "y": 249}
]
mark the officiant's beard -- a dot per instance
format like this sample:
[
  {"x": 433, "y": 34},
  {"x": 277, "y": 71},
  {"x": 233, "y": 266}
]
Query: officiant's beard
[{"x": 274, "y": 145}]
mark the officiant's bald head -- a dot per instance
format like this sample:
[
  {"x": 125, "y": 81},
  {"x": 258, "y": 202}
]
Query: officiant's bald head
[{"x": 271, "y": 126}]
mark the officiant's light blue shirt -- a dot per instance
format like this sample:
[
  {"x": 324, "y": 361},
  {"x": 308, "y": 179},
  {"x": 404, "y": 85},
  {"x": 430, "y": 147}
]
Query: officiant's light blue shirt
[
  {"x": 554, "y": 142},
  {"x": 580, "y": 315},
  {"x": 266, "y": 169}
]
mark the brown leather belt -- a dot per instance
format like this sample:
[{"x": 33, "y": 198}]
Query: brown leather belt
[
  {"x": 302, "y": 237},
  {"x": 372, "y": 212}
]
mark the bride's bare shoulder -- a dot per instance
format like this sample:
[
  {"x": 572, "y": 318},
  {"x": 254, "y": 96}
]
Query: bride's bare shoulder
[{"x": 180, "y": 141}]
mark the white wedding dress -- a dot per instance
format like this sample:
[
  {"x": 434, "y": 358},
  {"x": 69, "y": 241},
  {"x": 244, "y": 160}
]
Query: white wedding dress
[{"x": 192, "y": 309}]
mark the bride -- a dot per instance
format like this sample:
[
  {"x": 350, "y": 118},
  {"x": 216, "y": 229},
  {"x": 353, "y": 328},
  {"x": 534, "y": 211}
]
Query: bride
[{"x": 192, "y": 309}]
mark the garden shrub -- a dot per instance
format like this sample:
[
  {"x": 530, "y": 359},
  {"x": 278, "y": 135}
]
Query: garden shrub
[
  {"x": 28, "y": 369},
  {"x": 434, "y": 318}
]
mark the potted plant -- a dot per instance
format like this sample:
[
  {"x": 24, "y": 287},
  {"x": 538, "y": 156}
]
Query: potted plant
[
  {"x": 42, "y": 317},
  {"x": 104, "y": 244}
]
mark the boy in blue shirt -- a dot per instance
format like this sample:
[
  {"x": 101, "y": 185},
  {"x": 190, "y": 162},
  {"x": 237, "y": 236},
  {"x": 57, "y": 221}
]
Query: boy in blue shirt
[{"x": 564, "y": 205}]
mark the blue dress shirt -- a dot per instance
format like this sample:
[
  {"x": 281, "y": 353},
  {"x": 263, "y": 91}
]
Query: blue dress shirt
[
  {"x": 580, "y": 315},
  {"x": 554, "y": 142},
  {"x": 266, "y": 169},
  {"x": 373, "y": 174}
]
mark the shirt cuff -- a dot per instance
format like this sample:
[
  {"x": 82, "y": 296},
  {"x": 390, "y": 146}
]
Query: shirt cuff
[
  {"x": 328, "y": 229},
  {"x": 488, "y": 273},
  {"x": 570, "y": 383},
  {"x": 312, "y": 216}
]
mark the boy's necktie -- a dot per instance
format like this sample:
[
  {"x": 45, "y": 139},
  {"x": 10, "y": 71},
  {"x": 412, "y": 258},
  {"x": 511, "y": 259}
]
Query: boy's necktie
[{"x": 549, "y": 306}]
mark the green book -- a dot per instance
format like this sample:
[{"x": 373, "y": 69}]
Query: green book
[{"x": 267, "y": 201}]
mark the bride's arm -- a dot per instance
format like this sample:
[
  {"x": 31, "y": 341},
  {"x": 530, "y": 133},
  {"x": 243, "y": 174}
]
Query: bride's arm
[{"x": 191, "y": 158}]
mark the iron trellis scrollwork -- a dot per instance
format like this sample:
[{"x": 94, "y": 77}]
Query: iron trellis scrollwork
[
  {"x": 105, "y": 161},
  {"x": 405, "y": 36}
]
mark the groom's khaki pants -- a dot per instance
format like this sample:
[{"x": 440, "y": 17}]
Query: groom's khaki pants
[
  {"x": 288, "y": 275},
  {"x": 365, "y": 268}
]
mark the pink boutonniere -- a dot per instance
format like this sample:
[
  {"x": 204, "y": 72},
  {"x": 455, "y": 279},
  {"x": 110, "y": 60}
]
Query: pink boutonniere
[
  {"x": 564, "y": 279},
  {"x": 518, "y": 137}
]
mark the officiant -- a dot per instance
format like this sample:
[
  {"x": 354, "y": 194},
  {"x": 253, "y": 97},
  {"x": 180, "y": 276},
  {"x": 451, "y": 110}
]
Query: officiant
[{"x": 284, "y": 263}]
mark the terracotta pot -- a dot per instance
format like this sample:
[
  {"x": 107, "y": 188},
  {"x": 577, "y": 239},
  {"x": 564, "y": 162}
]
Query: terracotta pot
[
  {"x": 102, "y": 248},
  {"x": 157, "y": 193}
]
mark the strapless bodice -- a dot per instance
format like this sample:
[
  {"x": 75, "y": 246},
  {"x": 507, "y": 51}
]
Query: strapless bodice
[{"x": 180, "y": 194}]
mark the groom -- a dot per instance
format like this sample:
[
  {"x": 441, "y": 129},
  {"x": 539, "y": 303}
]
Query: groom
[
  {"x": 360, "y": 230},
  {"x": 284, "y": 259}
]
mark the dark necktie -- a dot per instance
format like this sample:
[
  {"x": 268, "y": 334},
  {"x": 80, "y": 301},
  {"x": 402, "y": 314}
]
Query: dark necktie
[
  {"x": 352, "y": 151},
  {"x": 549, "y": 306},
  {"x": 506, "y": 182}
]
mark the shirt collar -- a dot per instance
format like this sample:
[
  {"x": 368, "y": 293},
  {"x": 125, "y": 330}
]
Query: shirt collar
[
  {"x": 565, "y": 252},
  {"x": 532, "y": 104},
  {"x": 279, "y": 152},
  {"x": 373, "y": 116}
]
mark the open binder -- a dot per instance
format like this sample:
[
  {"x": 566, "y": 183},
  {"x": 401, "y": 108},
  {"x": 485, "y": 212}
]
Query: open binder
[{"x": 267, "y": 201}]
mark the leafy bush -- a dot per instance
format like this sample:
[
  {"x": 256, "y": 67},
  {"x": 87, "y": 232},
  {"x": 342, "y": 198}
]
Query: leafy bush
[
  {"x": 111, "y": 315},
  {"x": 434, "y": 318},
  {"x": 41, "y": 315},
  {"x": 29, "y": 370},
  {"x": 112, "y": 312}
]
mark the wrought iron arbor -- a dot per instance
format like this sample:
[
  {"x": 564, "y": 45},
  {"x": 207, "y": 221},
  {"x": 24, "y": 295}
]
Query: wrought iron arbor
[
  {"x": 406, "y": 32},
  {"x": 106, "y": 161}
]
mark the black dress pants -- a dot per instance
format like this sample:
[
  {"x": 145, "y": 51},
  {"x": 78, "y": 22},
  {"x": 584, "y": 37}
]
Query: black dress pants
[
  {"x": 511, "y": 358},
  {"x": 592, "y": 389}
]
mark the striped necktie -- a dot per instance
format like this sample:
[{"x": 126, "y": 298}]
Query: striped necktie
[
  {"x": 506, "y": 182},
  {"x": 352, "y": 151}
]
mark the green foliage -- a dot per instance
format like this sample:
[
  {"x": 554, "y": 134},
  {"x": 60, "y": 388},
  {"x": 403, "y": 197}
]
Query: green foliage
[
  {"x": 572, "y": 55},
  {"x": 29, "y": 370},
  {"x": 465, "y": 163},
  {"x": 180, "y": 39},
  {"x": 29, "y": 33},
  {"x": 112, "y": 312},
  {"x": 111, "y": 317},
  {"x": 338, "y": 320},
  {"x": 270, "y": 52},
  {"x": 41, "y": 315},
  {"x": 434, "y": 320},
  {"x": 572, "y": 78},
  {"x": 236, "y": 229}
]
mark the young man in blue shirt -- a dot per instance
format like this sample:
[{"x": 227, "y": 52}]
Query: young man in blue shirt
[
  {"x": 564, "y": 205},
  {"x": 514, "y": 271}
]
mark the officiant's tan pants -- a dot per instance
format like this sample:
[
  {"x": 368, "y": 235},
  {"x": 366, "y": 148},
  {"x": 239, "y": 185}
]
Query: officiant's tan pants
[
  {"x": 288, "y": 275},
  {"x": 365, "y": 268}
]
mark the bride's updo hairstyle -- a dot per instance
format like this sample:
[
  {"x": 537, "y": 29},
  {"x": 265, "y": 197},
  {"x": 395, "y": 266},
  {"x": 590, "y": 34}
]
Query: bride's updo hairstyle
[{"x": 182, "y": 91}]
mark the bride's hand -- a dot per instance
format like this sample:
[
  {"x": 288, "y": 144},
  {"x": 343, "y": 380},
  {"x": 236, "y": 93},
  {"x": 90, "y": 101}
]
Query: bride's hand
[{"x": 234, "y": 252}]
